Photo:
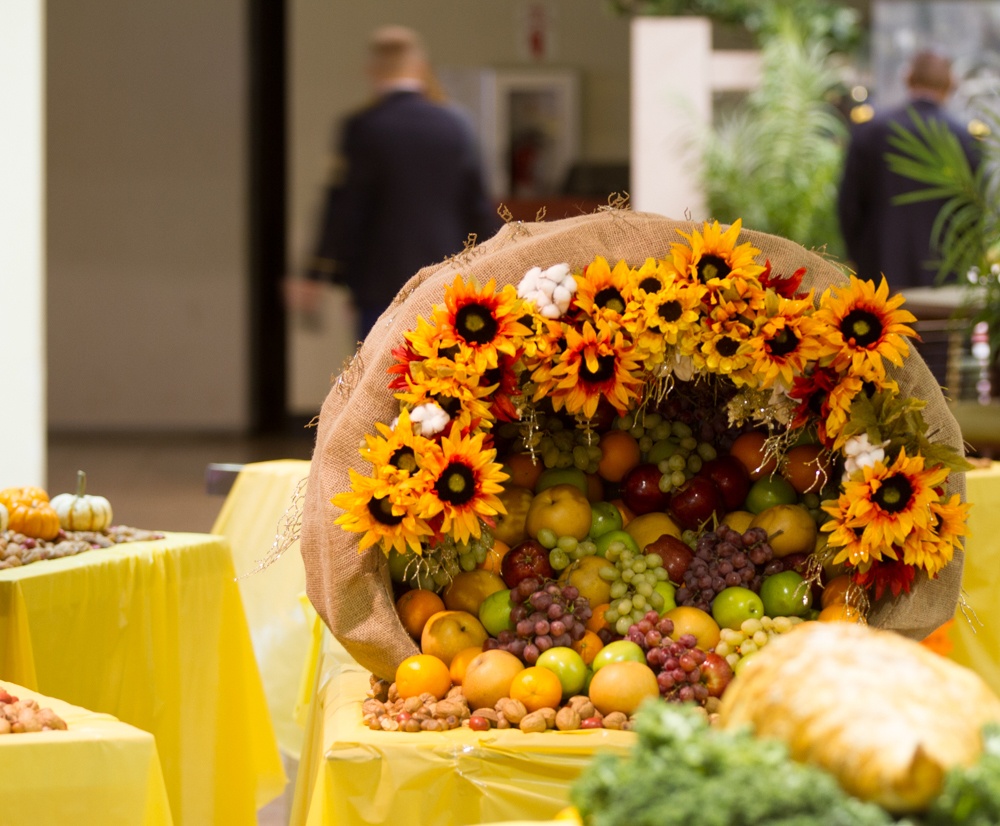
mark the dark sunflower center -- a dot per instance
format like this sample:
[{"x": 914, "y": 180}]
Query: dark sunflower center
[
  {"x": 782, "y": 344},
  {"x": 864, "y": 327},
  {"x": 727, "y": 347},
  {"x": 650, "y": 284},
  {"x": 894, "y": 494},
  {"x": 869, "y": 388},
  {"x": 449, "y": 404},
  {"x": 457, "y": 485},
  {"x": 712, "y": 266},
  {"x": 605, "y": 370},
  {"x": 476, "y": 324},
  {"x": 669, "y": 311},
  {"x": 448, "y": 352},
  {"x": 816, "y": 401},
  {"x": 610, "y": 299},
  {"x": 381, "y": 510},
  {"x": 491, "y": 376},
  {"x": 404, "y": 458}
]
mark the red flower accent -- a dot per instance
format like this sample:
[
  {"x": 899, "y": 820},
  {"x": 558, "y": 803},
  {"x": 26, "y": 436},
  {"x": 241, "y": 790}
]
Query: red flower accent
[
  {"x": 893, "y": 574},
  {"x": 400, "y": 371},
  {"x": 786, "y": 286}
]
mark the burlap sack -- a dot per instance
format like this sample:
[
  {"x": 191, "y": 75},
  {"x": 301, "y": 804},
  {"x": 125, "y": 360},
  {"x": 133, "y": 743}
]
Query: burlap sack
[{"x": 353, "y": 592}]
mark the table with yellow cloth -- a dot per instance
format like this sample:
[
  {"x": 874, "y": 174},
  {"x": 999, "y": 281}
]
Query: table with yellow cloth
[
  {"x": 98, "y": 770},
  {"x": 154, "y": 634},
  {"x": 280, "y": 619}
]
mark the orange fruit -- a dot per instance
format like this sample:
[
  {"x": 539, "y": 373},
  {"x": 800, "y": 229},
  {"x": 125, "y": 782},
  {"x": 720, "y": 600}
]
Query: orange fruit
[
  {"x": 835, "y": 591},
  {"x": 422, "y": 673},
  {"x": 690, "y": 620},
  {"x": 587, "y": 646},
  {"x": 494, "y": 556},
  {"x": 807, "y": 468},
  {"x": 624, "y": 510},
  {"x": 620, "y": 453},
  {"x": 749, "y": 449},
  {"x": 537, "y": 688},
  {"x": 623, "y": 686},
  {"x": 461, "y": 661},
  {"x": 417, "y": 606},
  {"x": 840, "y": 612},
  {"x": 597, "y": 621},
  {"x": 523, "y": 471},
  {"x": 488, "y": 677}
]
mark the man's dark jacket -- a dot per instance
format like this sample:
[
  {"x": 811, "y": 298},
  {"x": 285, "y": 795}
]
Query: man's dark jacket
[
  {"x": 883, "y": 237},
  {"x": 410, "y": 194}
]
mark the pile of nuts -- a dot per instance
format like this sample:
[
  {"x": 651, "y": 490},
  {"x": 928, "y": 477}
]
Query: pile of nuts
[
  {"x": 17, "y": 549},
  {"x": 24, "y": 716}
]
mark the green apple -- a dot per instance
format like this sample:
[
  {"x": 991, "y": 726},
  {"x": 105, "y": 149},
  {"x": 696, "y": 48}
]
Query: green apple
[
  {"x": 563, "y": 509},
  {"x": 568, "y": 666},
  {"x": 786, "y": 595},
  {"x": 619, "y": 651},
  {"x": 669, "y": 593},
  {"x": 562, "y": 476},
  {"x": 603, "y": 542},
  {"x": 733, "y": 605},
  {"x": 604, "y": 517},
  {"x": 494, "y": 612},
  {"x": 769, "y": 491}
]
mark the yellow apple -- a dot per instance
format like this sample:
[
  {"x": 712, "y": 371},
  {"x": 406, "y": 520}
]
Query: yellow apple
[
  {"x": 584, "y": 575},
  {"x": 448, "y": 632},
  {"x": 564, "y": 509},
  {"x": 510, "y": 525},
  {"x": 468, "y": 589},
  {"x": 649, "y": 527}
]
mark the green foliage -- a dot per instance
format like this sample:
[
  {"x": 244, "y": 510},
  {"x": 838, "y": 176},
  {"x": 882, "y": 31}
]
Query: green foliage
[
  {"x": 967, "y": 230},
  {"x": 682, "y": 772},
  {"x": 776, "y": 161},
  {"x": 832, "y": 22},
  {"x": 971, "y": 797}
]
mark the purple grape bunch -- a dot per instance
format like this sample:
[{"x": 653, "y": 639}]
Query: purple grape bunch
[
  {"x": 545, "y": 615},
  {"x": 726, "y": 558},
  {"x": 676, "y": 663}
]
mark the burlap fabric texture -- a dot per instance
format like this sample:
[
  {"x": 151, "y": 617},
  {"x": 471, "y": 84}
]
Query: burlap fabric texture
[{"x": 353, "y": 592}]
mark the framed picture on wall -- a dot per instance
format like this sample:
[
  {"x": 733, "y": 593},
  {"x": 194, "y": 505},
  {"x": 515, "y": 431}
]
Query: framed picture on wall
[{"x": 528, "y": 124}]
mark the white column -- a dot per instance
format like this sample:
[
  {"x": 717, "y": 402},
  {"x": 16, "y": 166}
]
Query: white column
[{"x": 22, "y": 265}]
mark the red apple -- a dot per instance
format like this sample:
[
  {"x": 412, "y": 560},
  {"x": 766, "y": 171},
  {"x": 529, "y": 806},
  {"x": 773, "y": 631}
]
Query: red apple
[
  {"x": 530, "y": 558},
  {"x": 730, "y": 476},
  {"x": 695, "y": 502},
  {"x": 640, "y": 490},
  {"x": 675, "y": 553},
  {"x": 716, "y": 674}
]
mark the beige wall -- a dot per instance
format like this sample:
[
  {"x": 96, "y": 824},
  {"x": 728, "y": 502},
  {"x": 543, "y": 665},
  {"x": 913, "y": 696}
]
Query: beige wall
[
  {"x": 326, "y": 82},
  {"x": 147, "y": 275}
]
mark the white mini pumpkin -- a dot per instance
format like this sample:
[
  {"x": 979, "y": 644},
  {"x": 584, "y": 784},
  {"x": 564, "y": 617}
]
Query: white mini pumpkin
[{"x": 81, "y": 511}]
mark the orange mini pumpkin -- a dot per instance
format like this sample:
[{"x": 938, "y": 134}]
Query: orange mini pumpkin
[
  {"x": 37, "y": 519},
  {"x": 28, "y": 494}
]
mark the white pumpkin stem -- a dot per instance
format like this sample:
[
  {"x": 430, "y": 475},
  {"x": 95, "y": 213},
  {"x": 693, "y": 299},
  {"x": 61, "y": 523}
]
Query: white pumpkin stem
[{"x": 81, "y": 483}]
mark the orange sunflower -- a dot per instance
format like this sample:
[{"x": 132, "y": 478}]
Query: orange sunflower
[
  {"x": 596, "y": 363},
  {"x": 604, "y": 293},
  {"x": 785, "y": 341},
  {"x": 864, "y": 327},
  {"x": 395, "y": 454},
  {"x": 712, "y": 256},
  {"x": 463, "y": 483}
]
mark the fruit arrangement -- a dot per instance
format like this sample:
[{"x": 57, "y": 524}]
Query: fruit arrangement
[
  {"x": 34, "y": 528},
  {"x": 25, "y": 716},
  {"x": 634, "y": 478}
]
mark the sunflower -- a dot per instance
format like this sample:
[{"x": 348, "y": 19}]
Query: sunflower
[
  {"x": 891, "y": 502},
  {"x": 933, "y": 549},
  {"x": 603, "y": 293},
  {"x": 463, "y": 481},
  {"x": 664, "y": 318},
  {"x": 785, "y": 342},
  {"x": 863, "y": 327},
  {"x": 652, "y": 277},
  {"x": 383, "y": 513},
  {"x": 893, "y": 574},
  {"x": 846, "y": 537},
  {"x": 459, "y": 395},
  {"x": 395, "y": 454},
  {"x": 503, "y": 384},
  {"x": 712, "y": 256},
  {"x": 482, "y": 323},
  {"x": 725, "y": 348},
  {"x": 597, "y": 363}
]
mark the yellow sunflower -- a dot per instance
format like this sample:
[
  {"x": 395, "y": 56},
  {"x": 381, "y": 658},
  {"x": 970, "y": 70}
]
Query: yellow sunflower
[
  {"x": 890, "y": 502},
  {"x": 384, "y": 513},
  {"x": 484, "y": 323},
  {"x": 864, "y": 327},
  {"x": 596, "y": 363},
  {"x": 603, "y": 293},
  {"x": 664, "y": 318},
  {"x": 463, "y": 481},
  {"x": 785, "y": 341},
  {"x": 395, "y": 454},
  {"x": 652, "y": 277},
  {"x": 725, "y": 348},
  {"x": 712, "y": 256}
]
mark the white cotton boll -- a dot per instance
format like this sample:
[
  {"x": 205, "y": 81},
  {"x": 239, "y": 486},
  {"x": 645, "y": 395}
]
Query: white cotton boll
[
  {"x": 547, "y": 287},
  {"x": 683, "y": 368},
  {"x": 429, "y": 418},
  {"x": 562, "y": 297},
  {"x": 550, "y": 311},
  {"x": 529, "y": 282}
]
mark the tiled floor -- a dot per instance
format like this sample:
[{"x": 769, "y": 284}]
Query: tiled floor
[{"x": 158, "y": 482}]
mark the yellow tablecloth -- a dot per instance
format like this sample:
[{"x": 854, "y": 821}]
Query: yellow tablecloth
[
  {"x": 153, "y": 633},
  {"x": 98, "y": 771},
  {"x": 976, "y": 631},
  {"x": 350, "y": 775},
  {"x": 280, "y": 625}
]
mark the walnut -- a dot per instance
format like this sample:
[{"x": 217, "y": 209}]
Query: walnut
[
  {"x": 615, "y": 720},
  {"x": 372, "y": 706},
  {"x": 582, "y": 705},
  {"x": 567, "y": 719},
  {"x": 549, "y": 715},
  {"x": 412, "y": 704},
  {"x": 535, "y": 721},
  {"x": 513, "y": 710}
]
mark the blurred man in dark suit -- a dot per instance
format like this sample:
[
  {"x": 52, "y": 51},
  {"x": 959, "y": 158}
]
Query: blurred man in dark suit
[
  {"x": 883, "y": 237},
  {"x": 407, "y": 187}
]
